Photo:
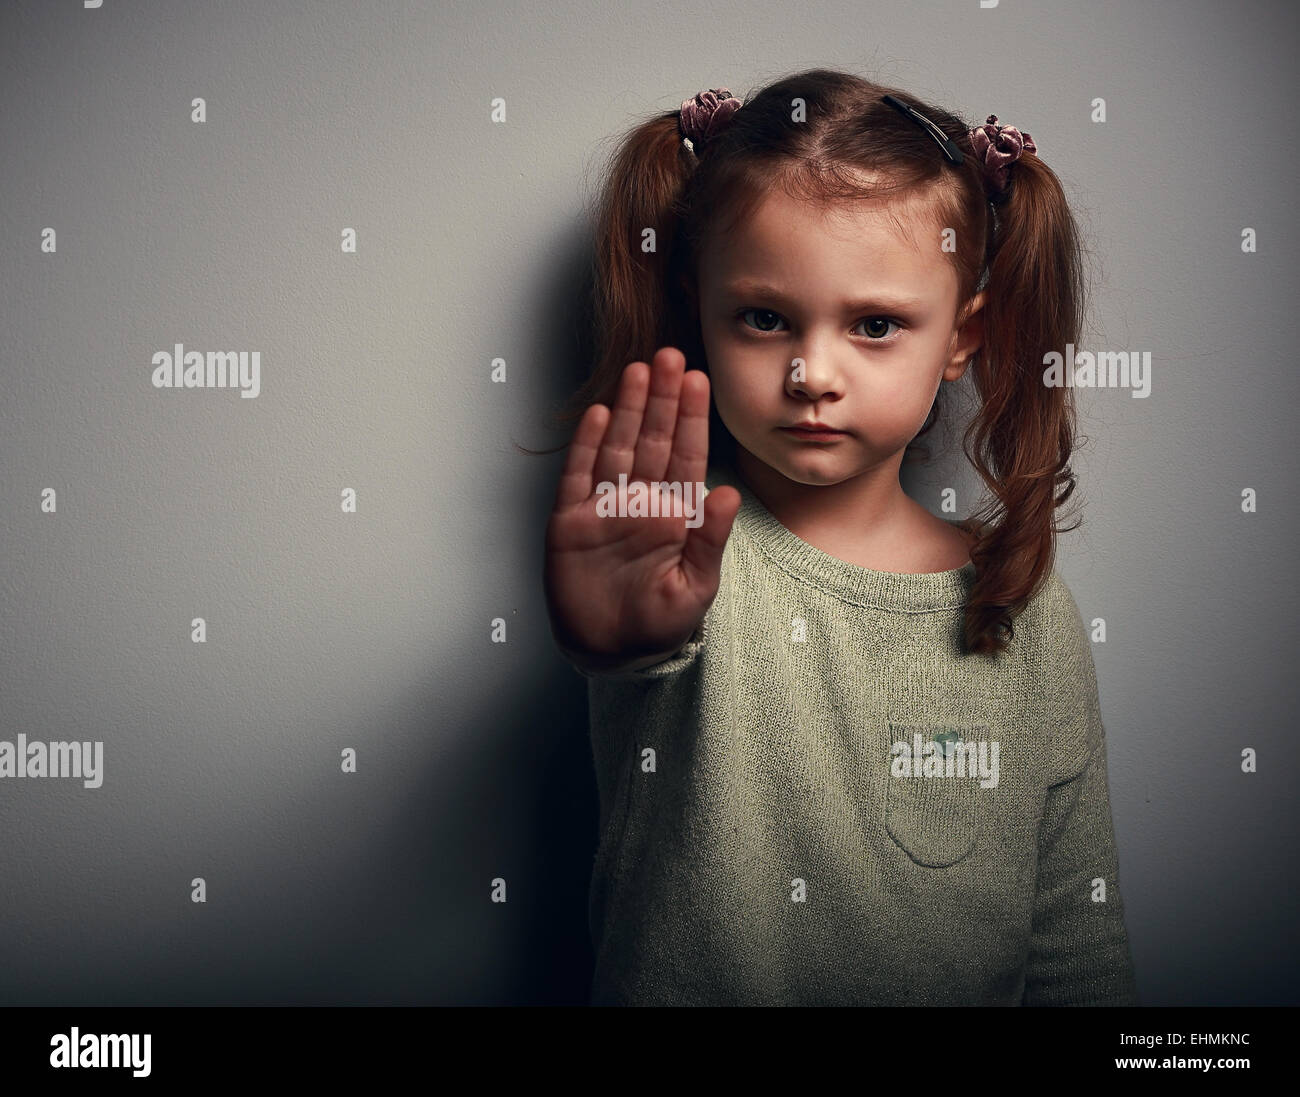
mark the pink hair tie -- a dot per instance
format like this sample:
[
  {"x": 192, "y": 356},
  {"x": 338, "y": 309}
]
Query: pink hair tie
[
  {"x": 705, "y": 115},
  {"x": 997, "y": 148}
]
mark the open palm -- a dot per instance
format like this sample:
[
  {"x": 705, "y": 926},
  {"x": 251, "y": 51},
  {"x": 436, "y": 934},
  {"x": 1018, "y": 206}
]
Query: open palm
[{"x": 620, "y": 589}]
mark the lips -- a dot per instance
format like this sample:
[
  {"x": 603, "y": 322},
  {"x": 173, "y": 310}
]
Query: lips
[{"x": 815, "y": 431}]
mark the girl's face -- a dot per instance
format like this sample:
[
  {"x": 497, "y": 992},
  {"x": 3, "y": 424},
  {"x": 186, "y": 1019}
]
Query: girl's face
[{"x": 867, "y": 309}]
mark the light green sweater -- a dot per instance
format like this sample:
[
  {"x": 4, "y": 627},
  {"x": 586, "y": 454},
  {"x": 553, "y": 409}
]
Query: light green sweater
[{"x": 759, "y": 844}]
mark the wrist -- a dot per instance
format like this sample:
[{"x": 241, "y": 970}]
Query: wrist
[{"x": 612, "y": 662}]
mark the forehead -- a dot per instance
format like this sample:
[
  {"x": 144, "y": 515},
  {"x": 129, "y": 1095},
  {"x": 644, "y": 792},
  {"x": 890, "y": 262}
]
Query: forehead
[{"x": 895, "y": 241}]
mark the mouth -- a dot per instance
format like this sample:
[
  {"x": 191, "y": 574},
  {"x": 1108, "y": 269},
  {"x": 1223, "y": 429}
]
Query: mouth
[{"x": 817, "y": 433}]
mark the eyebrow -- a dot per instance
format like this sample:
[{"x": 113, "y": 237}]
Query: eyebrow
[{"x": 883, "y": 301}]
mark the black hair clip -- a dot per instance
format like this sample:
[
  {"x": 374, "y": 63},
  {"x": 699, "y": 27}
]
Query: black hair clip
[{"x": 950, "y": 151}]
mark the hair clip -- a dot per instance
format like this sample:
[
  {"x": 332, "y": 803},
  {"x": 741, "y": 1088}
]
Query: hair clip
[
  {"x": 950, "y": 151},
  {"x": 709, "y": 112}
]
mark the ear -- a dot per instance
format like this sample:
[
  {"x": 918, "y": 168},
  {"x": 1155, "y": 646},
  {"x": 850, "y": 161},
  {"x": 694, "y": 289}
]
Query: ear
[{"x": 967, "y": 338}]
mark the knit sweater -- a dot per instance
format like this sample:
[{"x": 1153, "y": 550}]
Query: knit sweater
[{"x": 764, "y": 841}]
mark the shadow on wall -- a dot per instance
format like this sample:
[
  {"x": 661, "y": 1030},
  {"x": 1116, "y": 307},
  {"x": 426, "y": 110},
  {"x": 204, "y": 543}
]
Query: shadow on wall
[
  {"x": 524, "y": 805},
  {"x": 376, "y": 890}
]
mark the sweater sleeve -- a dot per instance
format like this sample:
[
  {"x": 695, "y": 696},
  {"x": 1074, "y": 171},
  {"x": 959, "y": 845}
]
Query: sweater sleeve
[
  {"x": 663, "y": 668},
  {"x": 1079, "y": 948}
]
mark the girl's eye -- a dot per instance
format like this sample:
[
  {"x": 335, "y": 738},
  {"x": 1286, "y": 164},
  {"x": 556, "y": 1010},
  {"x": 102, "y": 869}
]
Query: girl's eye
[
  {"x": 767, "y": 318},
  {"x": 877, "y": 327},
  {"x": 874, "y": 325}
]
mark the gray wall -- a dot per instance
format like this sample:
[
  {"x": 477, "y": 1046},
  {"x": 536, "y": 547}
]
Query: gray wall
[{"x": 371, "y": 630}]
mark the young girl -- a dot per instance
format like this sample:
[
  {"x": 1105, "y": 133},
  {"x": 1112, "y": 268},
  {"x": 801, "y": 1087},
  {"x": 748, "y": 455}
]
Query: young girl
[{"x": 846, "y": 752}]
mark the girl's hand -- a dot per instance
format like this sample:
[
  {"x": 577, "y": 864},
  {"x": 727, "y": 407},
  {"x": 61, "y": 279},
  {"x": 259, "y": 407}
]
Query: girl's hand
[{"x": 623, "y": 590}]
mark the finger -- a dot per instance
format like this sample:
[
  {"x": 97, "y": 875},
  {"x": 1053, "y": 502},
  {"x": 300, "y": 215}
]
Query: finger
[
  {"x": 575, "y": 481},
  {"x": 655, "y": 443},
  {"x": 618, "y": 448},
  {"x": 702, "y": 553},
  {"x": 689, "y": 461}
]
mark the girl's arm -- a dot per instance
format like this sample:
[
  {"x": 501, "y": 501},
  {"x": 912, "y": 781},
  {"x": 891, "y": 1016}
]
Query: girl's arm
[
  {"x": 1079, "y": 949},
  {"x": 615, "y": 666}
]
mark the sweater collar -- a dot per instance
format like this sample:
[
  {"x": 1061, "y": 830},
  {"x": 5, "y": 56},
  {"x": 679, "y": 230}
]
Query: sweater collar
[{"x": 901, "y": 591}]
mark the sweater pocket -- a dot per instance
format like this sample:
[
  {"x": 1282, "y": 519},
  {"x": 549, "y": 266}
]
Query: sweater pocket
[{"x": 933, "y": 818}]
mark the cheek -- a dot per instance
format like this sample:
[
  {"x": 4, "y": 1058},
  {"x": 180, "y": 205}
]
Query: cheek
[
  {"x": 912, "y": 380},
  {"x": 730, "y": 378},
  {"x": 731, "y": 398},
  {"x": 742, "y": 407},
  {"x": 900, "y": 391}
]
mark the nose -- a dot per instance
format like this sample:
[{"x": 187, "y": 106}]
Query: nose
[{"x": 814, "y": 375}]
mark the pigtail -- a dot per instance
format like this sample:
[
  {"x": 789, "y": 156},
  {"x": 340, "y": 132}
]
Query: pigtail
[
  {"x": 1021, "y": 439},
  {"x": 635, "y": 256}
]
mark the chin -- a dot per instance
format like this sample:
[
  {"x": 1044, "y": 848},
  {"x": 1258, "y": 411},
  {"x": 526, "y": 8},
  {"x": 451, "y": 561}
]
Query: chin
[
  {"x": 814, "y": 473},
  {"x": 816, "y": 481}
]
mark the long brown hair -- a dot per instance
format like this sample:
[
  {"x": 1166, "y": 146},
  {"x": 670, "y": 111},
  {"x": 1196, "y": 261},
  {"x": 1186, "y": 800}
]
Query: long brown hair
[{"x": 1022, "y": 248}]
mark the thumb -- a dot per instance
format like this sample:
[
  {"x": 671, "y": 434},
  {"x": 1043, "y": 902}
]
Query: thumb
[{"x": 702, "y": 553}]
